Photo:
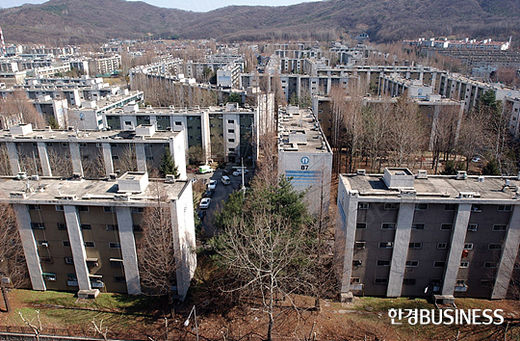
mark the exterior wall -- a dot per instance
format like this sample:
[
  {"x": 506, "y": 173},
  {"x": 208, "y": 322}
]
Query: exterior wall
[
  {"x": 458, "y": 247},
  {"x": 309, "y": 172}
]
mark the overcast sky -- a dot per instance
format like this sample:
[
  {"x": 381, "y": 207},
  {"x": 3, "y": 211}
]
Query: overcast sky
[{"x": 192, "y": 5}]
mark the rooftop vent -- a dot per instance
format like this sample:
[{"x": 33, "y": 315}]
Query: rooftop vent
[
  {"x": 395, "y": 178},
  {"x": 461, "y": 175},
  {"x": 361, "y": 172},
  {"x": 481, "y": 179},
  {"x": 422, "y": 174},
  {"x": 133, "y": 182}
]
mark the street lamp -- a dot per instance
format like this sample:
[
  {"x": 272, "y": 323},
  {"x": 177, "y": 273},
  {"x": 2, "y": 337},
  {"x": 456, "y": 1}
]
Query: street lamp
[{"x": 187, "y": 322}]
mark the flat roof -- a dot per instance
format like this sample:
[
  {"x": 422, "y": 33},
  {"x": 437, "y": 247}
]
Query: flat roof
[
  {"x": 180, "y": 111},
  {"x": 85, "y": 136},
  {"x": 437, "y": 186},
  {"x": 50, "y": 191},
  {"x": 304, "y": 127}
]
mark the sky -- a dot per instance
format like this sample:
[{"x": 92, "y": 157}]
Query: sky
[{"x": 191, "y": 5}]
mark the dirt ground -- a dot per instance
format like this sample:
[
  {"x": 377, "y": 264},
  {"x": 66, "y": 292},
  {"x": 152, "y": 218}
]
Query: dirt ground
[{"x": 364, "y": 319}]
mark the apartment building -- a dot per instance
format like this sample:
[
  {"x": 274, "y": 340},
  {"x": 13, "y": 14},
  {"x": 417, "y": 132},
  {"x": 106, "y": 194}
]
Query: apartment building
[
  {"x": 405, "y": 234},
  {"x": 394, "y": 85},
  {"x": 468, "y": 90},
  {"x": 305, "y": 157},
  {"x": 104, "y": 65},
  {"x": 228, "y": 76},
  {"x": 220, "y": 133},
  {"x": 511, "y": 108},
  {"x": 89, "y": 154},
  {"x": 82, "y": 235}
]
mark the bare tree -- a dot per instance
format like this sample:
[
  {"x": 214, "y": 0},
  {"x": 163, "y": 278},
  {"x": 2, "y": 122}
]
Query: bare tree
[
  {"x": 35, "y": 324},
  {"x": 472, "y": 136},
  {"x": 5, "y": 167},
  {"x": 444, "y": 133},
  {"x": 16, "y": 108},
  {"x": 126, "y": 160},
  {"x": 407, "y": 134},
  {"x": 60, "y": 164},
  {"x": 93, "y": 165},
  {"x": 99, "y": 329},
  {"x": 156, "y": 251},
  {"x": 12, "y": 258}
]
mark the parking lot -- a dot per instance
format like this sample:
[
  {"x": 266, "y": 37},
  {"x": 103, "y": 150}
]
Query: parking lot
[{"x": 219, "y": 196}]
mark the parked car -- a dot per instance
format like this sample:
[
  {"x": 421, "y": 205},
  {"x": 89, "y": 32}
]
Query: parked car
[
  {"x": 204, "y": 203},
  {"x": 225, "y": 180},
  {"x": 212, "y": 185},
  {"x": 202, "y": 214},
  {"x": 209, "y": 193},
  {"x": 238, "y": 172},
  {"x": 475, "y": 159}
]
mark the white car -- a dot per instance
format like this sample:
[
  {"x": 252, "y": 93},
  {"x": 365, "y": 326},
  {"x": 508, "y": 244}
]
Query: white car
[
  {"x": 226, "y": 180},
  {"x": 212, "y": 185},
  {"x": 475, "y": 159},
  {"x": 204, "y": 203},
  {"x": 238, "y": 172}
]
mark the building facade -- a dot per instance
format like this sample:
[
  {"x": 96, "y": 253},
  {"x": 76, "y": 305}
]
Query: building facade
[{"x": 400, "y": 234}]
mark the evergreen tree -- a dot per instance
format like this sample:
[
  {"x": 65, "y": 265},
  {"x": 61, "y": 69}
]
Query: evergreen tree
[
  {"x": 168, "y": 165},
  {"x": 491, "y": 168},
  {"x": 234, "y": 98}
]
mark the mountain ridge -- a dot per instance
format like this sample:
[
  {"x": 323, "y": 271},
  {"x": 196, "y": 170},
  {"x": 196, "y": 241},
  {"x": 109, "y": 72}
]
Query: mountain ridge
[{"x": 76, "y": 21}]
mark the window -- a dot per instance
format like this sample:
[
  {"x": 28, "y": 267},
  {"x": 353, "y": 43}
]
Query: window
[
  {"x": 357, "y": 262},
  {"x": 230, "y": 121},
  {"x": 114, "y": 245},
  {"x": 66, "y": 243},
  {"x": 450, "y": 207},
  {"x": 442, "y": 246},
  {"x": 381, "y": 281},
  {"x": 418, "y": 226},
  {"x": 495, "y": 246},
  {"x": 420, "y": 207},
  {"x": 386, "y": 245},
  {"x": 499, "y": 227},
  {"x": 490, "y": 265},
  {"x": 505, "y": 208},
  {"x": 363, "y": 206},
  {"x": 38, "y": 226},
  {"x": 461, "y": 283},
  {"x": 59, "y": 207},
  {"x": 89, "y": 244},
  {"x": 34, "y": 207},
  {"x": 86, "y": 227},
  {"x": 409, "y": 281},
  {"x": 446, "y": 226},
  {"x": 360, "y": 245},
  {"x": 231, "y": 150},
  {"x": 391, "y": 206},
  {"x": 468, "y": 246},
  {"x": 412, "y": 263},
  {"x": 49, "y": 276},
  {"x": 83, "y": 208},
  {"x": 439, "y": 264},
  {"x": 177, "y": 123},
  {"x": 361, "y": 225},
  {"x": 473, "y": 227},
  {"x": 464, "y": 264},
  {"x": 111, "y": 227},
  {"x": 231, "y": 140},
  {"x": 108, "y": 209},
  {"x": 69, "y": 260},
  {"x": 231, "y": 131},
  {"x": 388, "y": 226},
  {"x": 137, "y": 210},
  {"x": 476, "y": 208},
  {"x": 415, "y": 245},
  {"x": 354, "y": 280},
  {"x": 383, "y": 263}
]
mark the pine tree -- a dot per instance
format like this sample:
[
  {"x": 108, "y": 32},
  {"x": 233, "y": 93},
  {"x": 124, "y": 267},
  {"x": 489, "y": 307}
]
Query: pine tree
[{"x": 168, "y": 165}]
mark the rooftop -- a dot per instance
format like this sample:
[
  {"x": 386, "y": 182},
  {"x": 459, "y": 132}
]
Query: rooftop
[
  {"x": 86, "y": 192},
  {"x": 433, "y": 187},
  {"x": 22, "y": 132},
  {"x": 298, "y": 130}
]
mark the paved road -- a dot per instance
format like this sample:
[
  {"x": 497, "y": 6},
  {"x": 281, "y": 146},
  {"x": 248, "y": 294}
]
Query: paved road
[{"x": 218, "y": 198}]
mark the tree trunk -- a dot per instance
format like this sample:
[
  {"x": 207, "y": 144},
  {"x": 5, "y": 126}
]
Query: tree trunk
[{"x": 6, "y": 299}]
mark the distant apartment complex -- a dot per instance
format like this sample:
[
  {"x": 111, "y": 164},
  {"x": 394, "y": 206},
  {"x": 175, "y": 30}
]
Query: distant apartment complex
[
  {"x": 404, "y": 234},
  {"x": 81, "y": 235}
]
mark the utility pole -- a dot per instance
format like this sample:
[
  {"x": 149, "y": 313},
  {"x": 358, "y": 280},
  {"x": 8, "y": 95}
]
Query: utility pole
[{"x": 243, "y": 176}]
